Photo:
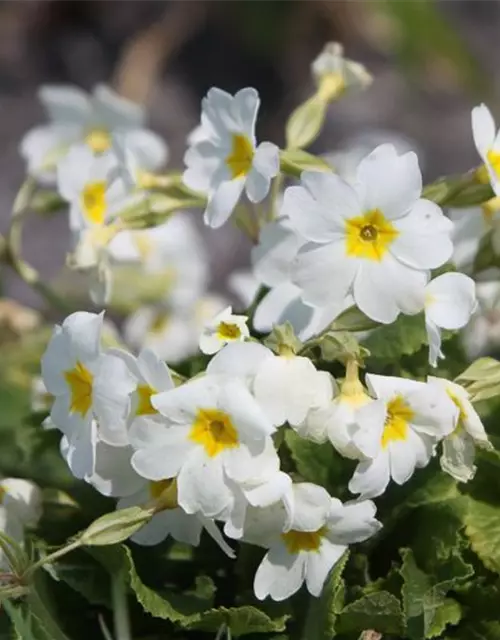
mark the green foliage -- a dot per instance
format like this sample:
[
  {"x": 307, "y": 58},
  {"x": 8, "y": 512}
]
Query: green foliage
[
  {"x": 380, "y": 611},
  {"x": 294, "y": 161},
  {"x": 306, "y": 122},
  {"x": 404, "y": 337}
]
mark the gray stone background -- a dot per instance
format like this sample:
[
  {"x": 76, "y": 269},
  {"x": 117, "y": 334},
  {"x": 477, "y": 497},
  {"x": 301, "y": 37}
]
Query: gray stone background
[{"x": 432, "y": 61}]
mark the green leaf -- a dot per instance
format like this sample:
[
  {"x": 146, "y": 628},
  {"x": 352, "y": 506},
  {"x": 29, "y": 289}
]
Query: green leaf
[
  {"x": 294, "y": 161},
  {"x": 305, "y": 123},
  {"x": 323, "y": 611},
  {"x": 427, "y": 609},
  {"x": 342, "y": 346},
  {"x": 482, "y": 527},
  {"x": 240, "y": 620},
  {"x": 353, "y": 319},
  {"x": 481, "y": 379},
  {"x": 380, "y": 611},
  {"x": 405, "y": 336}
]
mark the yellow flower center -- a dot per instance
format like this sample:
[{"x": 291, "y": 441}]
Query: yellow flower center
[
  {"x": 239, "y": 161},
  {"x": 93, "y": 201},
  {"x": 99, "y": 140},
  {"x": 331, "y": 85},
  {"x": 80, "y": 382},
  {"x": 165, "y": 493},
  {"x": 369, "y": 236},
  {"x": 296, "y": 541},
  {"x": 396, "y": 426},
  {"x": 214, "y": 430},
  {"x": 493, "y": 158},
  {"x": 144, "y": 406},
  {"x": 226, "y": 331}
]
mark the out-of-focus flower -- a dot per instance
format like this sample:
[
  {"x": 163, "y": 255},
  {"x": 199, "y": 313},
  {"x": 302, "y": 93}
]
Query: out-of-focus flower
[
  {"x": 482, "y": 334},
  {"x": 487, "y": 141},
  {"x": 224, "y": 328},
  {"x": 225, "y": 159},
  {"x": 335, "y": 74},
  {"x": 76, "y": 117}
]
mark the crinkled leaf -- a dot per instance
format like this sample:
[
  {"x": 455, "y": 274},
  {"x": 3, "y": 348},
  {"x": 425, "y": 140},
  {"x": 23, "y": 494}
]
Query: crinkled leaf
[
  {"x": 405, "y": 336},
  {"x": 380, "y": 611},
  {"x": 482, "y": 527},
  {"x": 426, "y": 608},
  {"x": 240, "y": 620},
  {"x": 341, "y": 345},
  {"x": 353, "y": 319},
  {"x": 321, "y": 617},
  {"x": 283, "y": 338}
]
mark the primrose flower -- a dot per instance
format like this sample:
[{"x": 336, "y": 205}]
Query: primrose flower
[
  {"x": 450, "y": 300},
  {"x": 227, "y": 160},
  {"x": 471, "y": 224},
  {"x": 306, "y": 548},
  {"x": 77, "y": 118},
  {"x": 398, "y": 431},
  {"x": 375, "y": 239},
  {"x": 87, "y": 385},
  {"x": 169, "y": 518},
  {"x": 487, "y": 143},
  {"x": 335, "y": 74},
  {"x": 215, "y": 429},
  {"x": 222, "y": 330},
  {"x": 482, "y": 334},
  {"x": 459, "y": 448}
]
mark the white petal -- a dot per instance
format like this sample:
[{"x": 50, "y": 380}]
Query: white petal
[
  {"x": 251, "y": 422},
  {"x": 115, "y": 111},
  {"x": 113, "y": 472},
  {"x": 280, "y": 574},
  {"x": 370, "y": 420},
  {"x": 148, "y": 149},
  {"x": 84, "y": 331},
  {"x": 214, "y": 532},
  {"x": 201, "y": 485},
  {"x": 383, "y": 289},
  {"x": 311, "y": 506},
  {"x": 352, "y": 522},
  {"x": 451, "y": 300},
  {"x": 257, "y": 186},
  {"x": 434, "y": 340},
  {"x": 80, "y": 454},
  {"x": 222, "y": 202},
  {"x": 240, "y": 359},
  {"x": 166, "y": 452},
  {"x": 266, "y": 159},
  {"x": 244, "y": 107},
  {"x": 319, "y": 565},
  {"x": 324, "y": 274},
  {"x": 483, "y": 129},
  {"x": 389, "y": 182},
  {"x": 65, "y": 103},
  {"x": 23, "y": 499},
  {"x": 181, "y": 404},
  {"x": 402, "y": 460},
  {"x": 371, "y": 477},
  {"x": 424, "y": 240},
  {"x": 273, "y": 255}
]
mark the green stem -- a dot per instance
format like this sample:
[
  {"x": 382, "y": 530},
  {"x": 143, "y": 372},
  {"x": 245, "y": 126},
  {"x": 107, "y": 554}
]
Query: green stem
[
  {"x": 72, "y": 546},
  {"x": 275, "y": 192},
  {"x": 120, "y": 607}
]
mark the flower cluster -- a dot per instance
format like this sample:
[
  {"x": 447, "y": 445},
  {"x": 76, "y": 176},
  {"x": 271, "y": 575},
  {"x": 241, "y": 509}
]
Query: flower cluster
[{"x": 205, "y": 451}]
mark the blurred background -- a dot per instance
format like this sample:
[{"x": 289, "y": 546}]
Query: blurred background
[{"x": 431, "y": 61}]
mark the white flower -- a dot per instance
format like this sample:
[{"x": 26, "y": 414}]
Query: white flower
[
  {"x": 482, "y": 334},
  {"x": 174, "y": 251},
  {"x": 41, "y": 399},
  {"x": 216, "y": 430},
  {"x": 228, "y": 160},
  {"x": 398, "y": 431},
  {"x": 20, "y": 507},
  {"x": 286, "y": 386},
  {"x": 112, "y": 474},
  {"x": 272, "y": 260},
  {"x": 86, "y": 385},
  {"x": 151, "y": 376},
  {"x": 487, "y": 143},
  {"x": 450, "y": 300},
  {"x": 319, "y": 533},
  {"x": 337, "y": 419},
  {"x": 170, "y": 519},
  {"x": 75, "y": 117},
  {"x": 223, "y": 329},
  {"x": 375, "y": 239},
  {"x": 173, "y": 334},
  {"x": 459, "y": 447},
  {"x": 335, "y": 74}
]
